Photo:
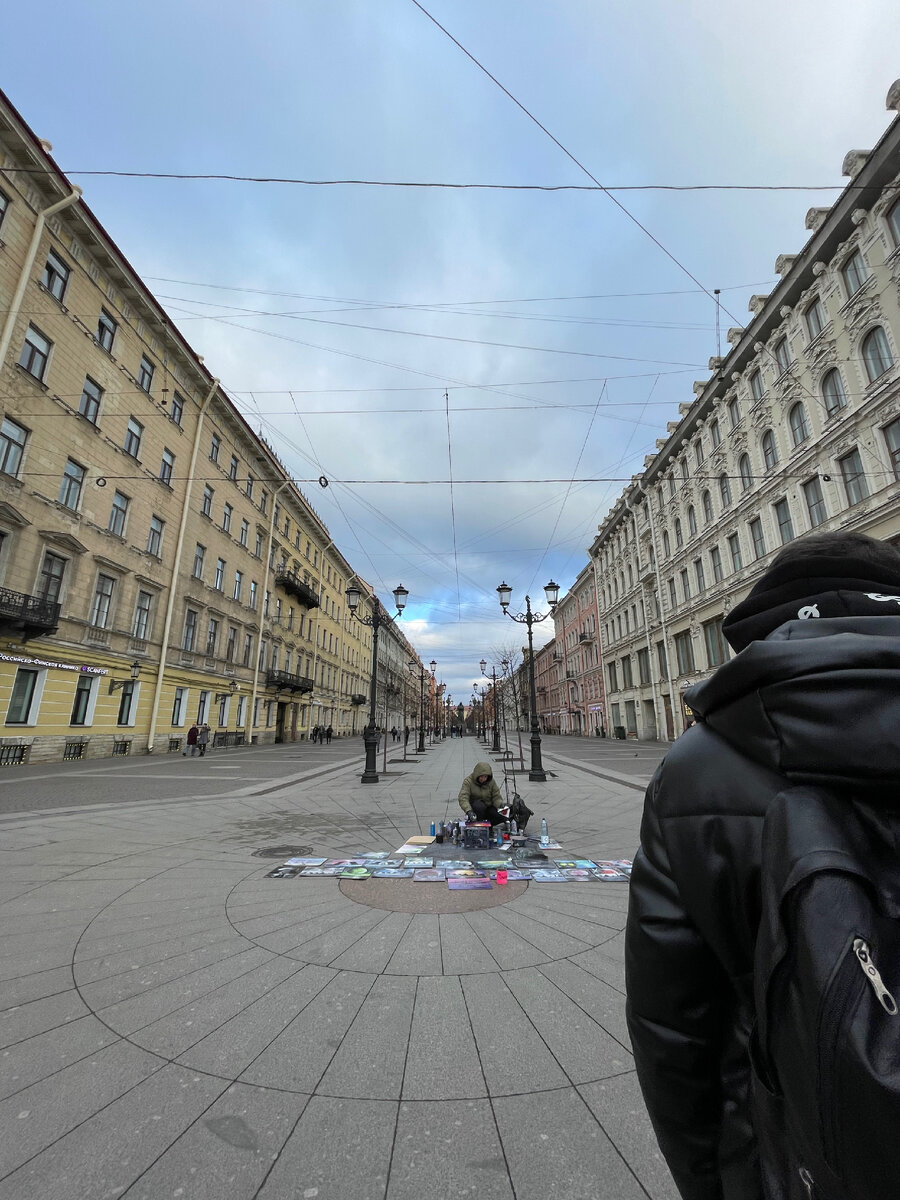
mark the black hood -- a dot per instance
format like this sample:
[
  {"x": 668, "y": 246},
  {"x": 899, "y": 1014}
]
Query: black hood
[{"x": 816, "y": 700}]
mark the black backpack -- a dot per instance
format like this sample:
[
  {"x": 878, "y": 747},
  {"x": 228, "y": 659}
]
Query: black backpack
[
  {"x": 519, "y": 811},
  {"x": 826, "y": 1045}
]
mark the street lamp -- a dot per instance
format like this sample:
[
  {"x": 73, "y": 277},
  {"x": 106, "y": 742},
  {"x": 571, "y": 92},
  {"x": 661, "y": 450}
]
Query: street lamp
[
  {"x": 495, "y": 746},
  {"x": 423, "y": 674},
  {"x": 135, "y": 672},
  {"x": 353, "y": 595},
  {"x": 482, "y": 725},
  {"x": 537, "y": 774}
]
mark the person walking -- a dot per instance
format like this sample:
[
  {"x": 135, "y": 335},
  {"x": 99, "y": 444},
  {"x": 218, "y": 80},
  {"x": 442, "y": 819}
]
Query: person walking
[
  {"x": 314, "y": 736},
  {"x": 796, "y": 744},
  {"x": 191, "y": 740},
  {"x": 328, "y": 732},
  {"x": 203, "y": 738},
  {"x": 405, "y": 739}
]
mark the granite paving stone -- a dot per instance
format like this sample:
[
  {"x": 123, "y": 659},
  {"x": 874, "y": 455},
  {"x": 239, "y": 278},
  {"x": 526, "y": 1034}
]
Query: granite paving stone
[
  {"x": 419, "y": 950},
  {"x": 374, "y": 951},
  {"x": 442, "y": 1060},
  {"x": 31, "y": 1060},
  {"x": 462, "y": 951},
  {"x": 448, "y": 1150},
  {"x": 618, "y": 1106},
  {"x": 369, "y": 1062}
]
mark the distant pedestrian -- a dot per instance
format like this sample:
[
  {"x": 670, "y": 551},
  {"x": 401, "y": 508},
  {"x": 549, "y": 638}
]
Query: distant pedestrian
[
  {"x": 328, "y": 732},
  {"x": 191, "y": 741},
  {"x": 405, "y": 738},
  {"x": 314, "y": 736},
  {"x": 203, "y": 738},
  {"x": 393, "y": 733}
]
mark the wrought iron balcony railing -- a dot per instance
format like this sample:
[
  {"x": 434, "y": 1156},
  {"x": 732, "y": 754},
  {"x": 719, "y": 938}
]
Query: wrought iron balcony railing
[
  {"x": 27, "y": 616},
  {"x": 284, "y": 681},
  {"x": 294, "y": 586}
]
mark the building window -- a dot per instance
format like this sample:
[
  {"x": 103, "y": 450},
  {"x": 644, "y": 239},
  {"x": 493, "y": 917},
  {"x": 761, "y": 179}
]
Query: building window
[
  {"x": 248, "y": 650},
  {"x": 263, "y": 501},
  {"x": 118, "y": 514},
  {"x": 212, "y": 637},
  {"x": 35, "y": 353},
  {"x": 815, "y": 501},
  {"x": 248, "y": 490},
  {"x": 684, "y": 652},
  {"x": 178, "y": 706},
  {"x": 758, "y": 537},
  {"x": 698, "y": 451},
  {"x": 715, "y": 434},
  {"x": 214, "y": 446},
  {"x": 189, "y": 639},
  {"x": 783, "y": 517},
  {"x": 667, "y": 550},
  {"x": 685, "y": 469},
  {"x": 671, "y": 484},
  {"x": 199, "y": 556},
  {"x": 56, "y": 276},
  {"x": 145, "y": 374},
  {"x": 226, "y": 518},
  {"x": 220, "y": 575},
  {"x": 685, "y": 584},
  {"x": 662, "y": 660},
  {"x": 725, "y": 490},
  {"x": 154, "y": 537},
  {"x": 734, "y": 412},
  {"x": 892, "y": 431},
  {"x": 854, "y": 477},
  {"x": 22, "y": 695},
  {"x": 815, "y": 318},
  {"x": 166, "y": 467},
  {"x": 679, "y": 539},
  {"x": 100, "y": 607},
  {"x": 798, "y": 423},
  {"x": 613, "y": 680},
  {"x": 716, "y": 646},
  {"x": 133, "y": 435},
  {"x": 245, "y": 530},
  {"x": 769, "y": 449},
  {"x": 106, "y": 331},
  {"x": 833, "y": 392},
  {"x": 80, "y": 704},
  {"x": 207, "y": 502},
  {"x": 258, "y": 550},
  {"x": 706, "y": 501},
  {"x": 12, "y": 446},
  {"x": 746, "y": 472},
  {"x": 643, "y": 658},
  {"x": 692, "y": 521},
  {"x": 715, "y": 558},
  {"x": 202, "y": 708},
  {"x": 854, "y": 273},
  {"x": 176, "y": 412},
  {"x": 673, "y": 595},
  {"x": 700, "y": 574},
  {"x": 254, "y": 591},
  {"x": 140, "y": 627},
  {"x": 876, "y": 353},
  {"x": 91, "y": 394},
  {"x": 734, "y": 549},
  {"x": 233, "y": 467},
  {"x": 126, "y": 702},
  {"x": 50, "y": 580},
  {"x": 782, "y": 355},
  {"x": 627, "y": 678},
  {"x": 71, "y": 485},
  {"x": 756, "y": 386},
  {"x": 238, "y": 585},
  {"x": 4, "y": 206},
  {"x": 893, "y": 219}
]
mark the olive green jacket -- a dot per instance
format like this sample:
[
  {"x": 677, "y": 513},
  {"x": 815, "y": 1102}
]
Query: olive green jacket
[{"x": 487, "y": 793}]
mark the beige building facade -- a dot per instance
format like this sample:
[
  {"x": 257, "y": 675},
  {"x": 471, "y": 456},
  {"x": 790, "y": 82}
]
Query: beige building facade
[
  {"x": 797, "y": 429},
  {"x": 158, "y": 567}
]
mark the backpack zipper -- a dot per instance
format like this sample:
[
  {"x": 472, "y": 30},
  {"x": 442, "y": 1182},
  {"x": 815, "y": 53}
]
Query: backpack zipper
[
  {"x": 807, "y": 1180},
  {"x": 871, "y": 972}
]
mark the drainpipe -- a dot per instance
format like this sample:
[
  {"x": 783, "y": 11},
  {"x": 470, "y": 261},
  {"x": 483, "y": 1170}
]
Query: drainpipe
[
  {"x": 179, "y": 546},
  {"x": 662, "y": 621},
  {"x": 25, "y": 273},
  {"x": 316, "y": 643},
  {"x": 263, "y": 614},
  {"x": 637, "y": 551}
]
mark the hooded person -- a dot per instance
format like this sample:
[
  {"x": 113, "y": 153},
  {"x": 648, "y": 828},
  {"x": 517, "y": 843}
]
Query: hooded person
[
  {"x": 479, "y": 797},
  {"x": 812, "y": 697}
]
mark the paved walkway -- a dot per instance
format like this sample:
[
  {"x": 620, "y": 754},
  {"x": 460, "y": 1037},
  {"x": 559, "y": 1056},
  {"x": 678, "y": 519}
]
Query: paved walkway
[{"x": 176, "y": 1025}]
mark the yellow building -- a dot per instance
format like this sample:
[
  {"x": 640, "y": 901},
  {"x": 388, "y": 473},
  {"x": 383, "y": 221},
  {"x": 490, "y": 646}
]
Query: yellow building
[{"x": 157, "y": 565}]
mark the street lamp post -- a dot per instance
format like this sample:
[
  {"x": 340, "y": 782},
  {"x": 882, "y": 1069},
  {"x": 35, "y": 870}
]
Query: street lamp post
[
  {"x": 420, "y": 749},
  {"x": 495, "y": 746},
  {"x": 537, "y": 774},
  {"x": 449, "y": 726},
  {"x": 370, "y": 735}
]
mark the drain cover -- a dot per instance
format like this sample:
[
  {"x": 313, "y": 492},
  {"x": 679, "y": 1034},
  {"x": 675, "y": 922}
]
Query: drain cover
[{"x": 282, "y": 851}]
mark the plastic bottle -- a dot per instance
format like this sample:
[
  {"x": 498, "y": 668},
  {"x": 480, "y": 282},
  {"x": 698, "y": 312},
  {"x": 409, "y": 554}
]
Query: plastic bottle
[
  {"x": 432, "y": 828},
  {"x": 545, "y": 832},
  {"x": 513, "y": 828}
]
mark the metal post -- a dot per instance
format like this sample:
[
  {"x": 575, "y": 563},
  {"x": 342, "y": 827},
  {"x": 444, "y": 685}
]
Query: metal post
[
  {"x": 420, "y": 749},
  {"x": 495, "y": 748},
  {"x": 537, "y": 774},
  {"x": 370, "y": 735}
]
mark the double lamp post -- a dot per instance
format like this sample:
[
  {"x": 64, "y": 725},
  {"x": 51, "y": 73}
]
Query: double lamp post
[
  {"x": 537, "y": 774},
  {"x": 378, "y": 618}
]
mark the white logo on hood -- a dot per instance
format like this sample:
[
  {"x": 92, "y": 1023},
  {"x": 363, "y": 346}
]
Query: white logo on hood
[
  {"x": 808, "y": 610},
  {"x": 878, "y": 596}
]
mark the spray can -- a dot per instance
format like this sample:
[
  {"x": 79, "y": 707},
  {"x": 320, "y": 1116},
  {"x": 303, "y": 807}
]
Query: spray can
[{"x": 432, "y": 828}]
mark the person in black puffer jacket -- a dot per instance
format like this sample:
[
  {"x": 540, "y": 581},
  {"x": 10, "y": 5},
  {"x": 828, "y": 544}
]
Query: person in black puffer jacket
[{"x": 812, "y": 696}]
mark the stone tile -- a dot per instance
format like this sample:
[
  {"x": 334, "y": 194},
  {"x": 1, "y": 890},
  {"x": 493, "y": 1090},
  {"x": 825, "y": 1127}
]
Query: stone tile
[
  {"x": 329, "y": 946},
  {"x": 170, "y": 953},
  {"x": 595, "y": 962},
  {"x": 442, "y": 1061},
  {"x": 46, "y": 1053},
  {"x": 513, "y": 1056},
  {"x": 462, "y": 951},
  {"x": 35, "y": 985},
  {"x": 341, "y": 1148},
  {"x": 292, "y": 938},
  {"x": 603, "y": 1003},
  {"x": 538, "y": 932},
  {"x": 553, "y": 1150},
  {"x": 139, "y": 977},
  {"x": 37, "y": 1016},
  {"x": 373, "y": 952},
  {"x": 447, "y": 1150},
  {"x": 226, "y": 1152},
  {"x": 619, "y": 1107},
  {"x": 300, "y": 1055},
  {"x": 419, "y": 950},
  {"x": 506, "y": 947},
  {"x": 368, "y": 1065}
]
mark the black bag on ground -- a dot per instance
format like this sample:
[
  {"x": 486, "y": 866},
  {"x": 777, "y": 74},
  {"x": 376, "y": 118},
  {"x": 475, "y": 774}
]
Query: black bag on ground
[
  {"x": 519, "y": 811},
  {"x": 826, "y": 1045}
]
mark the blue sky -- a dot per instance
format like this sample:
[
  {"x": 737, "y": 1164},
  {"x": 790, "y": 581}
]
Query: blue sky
[{"x": 563, "y": 336}]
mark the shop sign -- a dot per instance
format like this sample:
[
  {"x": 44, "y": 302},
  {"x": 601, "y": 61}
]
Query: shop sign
[{"x": 45, "y": 662}]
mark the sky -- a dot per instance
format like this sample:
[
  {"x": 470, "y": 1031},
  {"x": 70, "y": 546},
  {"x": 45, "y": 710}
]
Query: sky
[{"x": 476, "y": 372}]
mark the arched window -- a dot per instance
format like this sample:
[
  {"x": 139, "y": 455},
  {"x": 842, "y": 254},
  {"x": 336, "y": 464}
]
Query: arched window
[
  {"x": 667, "y": 545},
  {"x": 769, "y": 449},
  {"x": 706, "y": 501},
  {"x": 725, "y": 490},
  {"x": 893, "y": 219},
  {"x": 679, "y": 540},
  {"x": 746, "y": 472},
  {"x": 833, "y": 392},
  {"x": 876, "y": 353},
  {"x": 692, "y": 521},
  {"x": 799, "y": 426}
]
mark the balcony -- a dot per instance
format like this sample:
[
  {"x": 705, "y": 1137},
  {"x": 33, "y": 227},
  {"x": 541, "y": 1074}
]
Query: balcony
[
  {"x": 294, "y": 586},
  {"x": 585, "y": 638},
  {"x": 358, "y": 699},
  {"x": 27, "y": 616},
  {"x": 284, "y": 681}
]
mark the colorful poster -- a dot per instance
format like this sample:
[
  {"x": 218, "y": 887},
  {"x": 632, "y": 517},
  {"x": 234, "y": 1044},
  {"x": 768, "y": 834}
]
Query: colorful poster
[
  {"x": 437, "y": 875},
  {"x": 321, "y": 872},
  {"x": 374, "y": 853},
  {"x": 548, "y": 876},
  {"x": 409, "y": 848},
  {"x": 608, "y": 875},
  {"x": 419, "y": 862},
  {"x": 456, "y": 864},
  {"x": 471, "y": 873},
  {"x": 493, "y": 862},
  {"x": 283, "y": 873},
  {"x": 456, "y": 885},
  {"x": 355, "y": 873},
  {"x": 575, "y": 864},
  {"x": 392, "y": 873},
  {"x": 578, "y": 874},
  {"x": 345, "y": 862},
  {"x": 304, "y": 862}
]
